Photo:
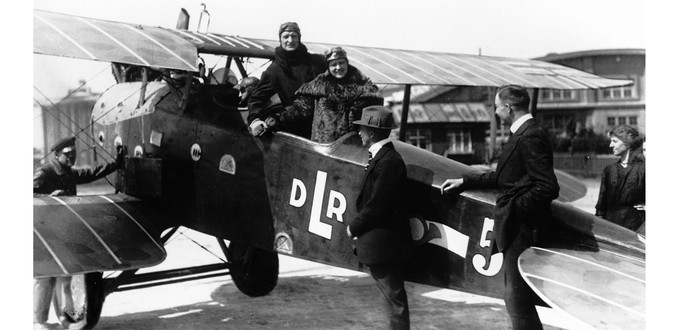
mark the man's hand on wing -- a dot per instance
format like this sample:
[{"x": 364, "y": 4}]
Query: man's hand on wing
[{"x": 450, "y": 184}]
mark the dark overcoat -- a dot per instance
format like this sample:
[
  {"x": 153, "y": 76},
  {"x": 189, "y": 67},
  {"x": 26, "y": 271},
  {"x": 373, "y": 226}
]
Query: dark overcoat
[
  {"x": 381, "y": 224},
  {"x": 526, "y": 179},
  {"x": 284, "y": 76},
  {"x": 620, "y": 190}
]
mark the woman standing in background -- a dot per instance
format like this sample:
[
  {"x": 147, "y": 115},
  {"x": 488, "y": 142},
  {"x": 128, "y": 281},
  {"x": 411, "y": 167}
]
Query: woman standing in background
[{"x": 622, "y": 191}]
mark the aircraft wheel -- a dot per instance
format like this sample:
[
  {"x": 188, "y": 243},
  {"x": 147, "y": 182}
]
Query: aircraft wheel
[
  {"x": 254, "y": 271},
  {"x": 78, "y": 304}
]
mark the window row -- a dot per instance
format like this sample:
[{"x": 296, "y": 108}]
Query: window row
[
  {"x": 605, "y": 94},
  {"x": 622, "y": 120},
  {"x": 459, "y": 141}
]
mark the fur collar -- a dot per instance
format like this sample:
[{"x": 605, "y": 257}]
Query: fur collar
[{"x": 326, "y": 85}]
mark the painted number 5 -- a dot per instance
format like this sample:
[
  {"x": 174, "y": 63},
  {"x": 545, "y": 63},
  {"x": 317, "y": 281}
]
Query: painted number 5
[{"x": 479, "y": 261}]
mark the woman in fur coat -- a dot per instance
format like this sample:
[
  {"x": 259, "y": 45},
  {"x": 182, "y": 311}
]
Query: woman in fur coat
[{"x": 333, "y": 100}]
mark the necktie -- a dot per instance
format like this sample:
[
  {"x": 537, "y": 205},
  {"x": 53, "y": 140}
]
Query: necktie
[{"x": 370, "y": 158}]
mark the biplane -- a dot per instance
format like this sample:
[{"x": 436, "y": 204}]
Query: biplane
[{"x": 192, "y": 162}]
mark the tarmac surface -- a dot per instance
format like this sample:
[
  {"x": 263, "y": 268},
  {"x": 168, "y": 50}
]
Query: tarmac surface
[{"x": 308, "y": 295}]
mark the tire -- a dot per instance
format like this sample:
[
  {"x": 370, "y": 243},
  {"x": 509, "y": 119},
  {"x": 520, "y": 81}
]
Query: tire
[
  {"x": 253, "y": 270},
  {"x": 79, "y": 305}
]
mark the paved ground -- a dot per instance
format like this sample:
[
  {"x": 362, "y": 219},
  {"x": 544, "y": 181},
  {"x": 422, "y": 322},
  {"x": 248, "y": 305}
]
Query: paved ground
[{"x": 308, "y": 296}]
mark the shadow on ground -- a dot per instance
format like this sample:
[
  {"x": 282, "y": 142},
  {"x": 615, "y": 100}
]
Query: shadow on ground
[{"x": 314, "y": 302}]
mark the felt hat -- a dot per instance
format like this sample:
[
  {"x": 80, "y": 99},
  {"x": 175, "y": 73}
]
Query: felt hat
[{"x": 377, "y": 116}]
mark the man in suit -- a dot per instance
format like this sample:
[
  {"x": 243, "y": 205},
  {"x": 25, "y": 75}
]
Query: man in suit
[
  {"x": 381, "y": 227},
  {"x": 527, "y": 183}
]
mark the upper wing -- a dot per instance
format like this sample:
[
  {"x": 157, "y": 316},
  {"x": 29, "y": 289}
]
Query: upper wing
[
  {"x": 81, "y": 234},
  {"x": 395, "y": 66},
  {"x": 72, "y": 36},
  {"x": 99, "y": 40}
]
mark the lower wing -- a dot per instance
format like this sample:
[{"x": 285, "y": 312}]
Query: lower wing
[
  {"x": 603, "y": 289},
  {"x": 81, "y": 234}
]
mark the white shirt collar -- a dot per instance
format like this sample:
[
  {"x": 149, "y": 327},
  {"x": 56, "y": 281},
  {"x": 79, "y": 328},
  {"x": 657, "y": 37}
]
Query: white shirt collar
[
  {"x": 515, "y": 126},
  {"x": 376, "y": 147}
]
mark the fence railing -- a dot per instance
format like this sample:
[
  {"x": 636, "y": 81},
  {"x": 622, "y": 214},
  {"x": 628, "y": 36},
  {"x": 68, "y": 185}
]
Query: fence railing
[{"x": 584, "y": 164}]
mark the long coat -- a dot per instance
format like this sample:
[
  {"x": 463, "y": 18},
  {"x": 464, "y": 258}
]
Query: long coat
[
  {"x": 332, "y": 104},
  {"x": 53, "y": 176},
  {"x": 526, "y": 179},
  {"x": 381, "y": 224},
  {"x": 621, "y": 189},
  {"x": 283, "y": 77}
]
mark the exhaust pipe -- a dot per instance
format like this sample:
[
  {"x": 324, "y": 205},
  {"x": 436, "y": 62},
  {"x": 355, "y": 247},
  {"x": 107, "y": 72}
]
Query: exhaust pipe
[{"x": 183, "y": 20}]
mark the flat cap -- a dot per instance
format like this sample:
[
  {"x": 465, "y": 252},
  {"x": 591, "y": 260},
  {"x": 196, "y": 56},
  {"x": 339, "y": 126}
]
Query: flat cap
[{"x": 63, "y": 143}]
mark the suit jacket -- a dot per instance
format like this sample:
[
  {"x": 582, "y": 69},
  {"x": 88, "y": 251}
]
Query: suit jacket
[
  {"x": 526, "y": 179},
  {"x": 381, "y": 225}
]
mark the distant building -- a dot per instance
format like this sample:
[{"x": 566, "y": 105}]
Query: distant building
[
  {"x": 454, "y": 121},
  {"x": 567, "y": 112},
  {"x": 450, "y": 121},
  {"x": 69, "y": 117}
]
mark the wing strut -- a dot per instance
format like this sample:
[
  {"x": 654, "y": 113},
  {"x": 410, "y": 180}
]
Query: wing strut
[
  {"x": 492, "y": 124},
  {"x": 187, "y": 90},
  {"x": 145, "y": 81},
  {"x": 404, "y": 112},
  {"x": 534, "y": 101},
  {"x": 240, "y": 67}
]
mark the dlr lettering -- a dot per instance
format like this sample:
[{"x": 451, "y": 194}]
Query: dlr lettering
[{"x": 336, "y": 206}]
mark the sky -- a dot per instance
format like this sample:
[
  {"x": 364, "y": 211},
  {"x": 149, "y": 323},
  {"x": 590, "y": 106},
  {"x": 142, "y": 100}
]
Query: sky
[{"x": 519, "y": 28}]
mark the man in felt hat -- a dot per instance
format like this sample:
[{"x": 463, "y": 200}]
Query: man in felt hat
[
  {"x": 381, "y": 228},
  {"x": 57, "y": 178},
  {"x": 293, "y": 66}
]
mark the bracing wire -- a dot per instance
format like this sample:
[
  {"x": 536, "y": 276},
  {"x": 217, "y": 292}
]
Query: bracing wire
[
  {"x": 82, "y": 130},
  {"x": 202, "y": 247}
]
